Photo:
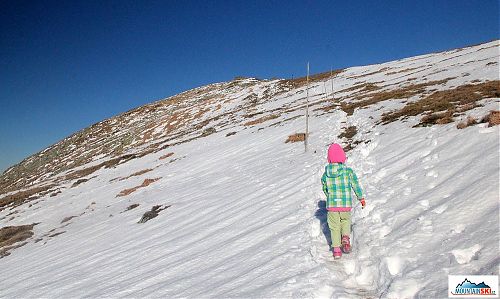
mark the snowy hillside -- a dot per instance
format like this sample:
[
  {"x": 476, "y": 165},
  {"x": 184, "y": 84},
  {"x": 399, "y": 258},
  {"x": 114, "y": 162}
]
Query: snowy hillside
[{"x": 240, "y": 212}]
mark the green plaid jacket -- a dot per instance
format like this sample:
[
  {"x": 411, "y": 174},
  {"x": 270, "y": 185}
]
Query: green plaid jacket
[{"x": 338, "y": 180}]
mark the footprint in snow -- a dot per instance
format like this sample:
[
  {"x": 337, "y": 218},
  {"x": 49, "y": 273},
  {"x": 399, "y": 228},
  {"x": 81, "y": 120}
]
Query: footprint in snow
[
  {"x": 424, "y": 203},
  {"x": 464, "y": 256},
  {"x": 430, "y": 157},
  {"x": 432, "y": 173},
  {"x": 459, "y": 228},
  {"x": 376, "y": 217},
  {"x": 325, "y": 292},
  {"x": 367, "y": 276},
  {"x": 428, "y": 167},
  {"x": 349, "y": 266},
  {"x": 384, "y": 231},
  {"x": 403, "y": 176},
  {"x": 425, "y": 154},
  {"x": 426, "y": 225},
  {"x": 394, "y": 264},
  {"x": 440, "y": 209}
]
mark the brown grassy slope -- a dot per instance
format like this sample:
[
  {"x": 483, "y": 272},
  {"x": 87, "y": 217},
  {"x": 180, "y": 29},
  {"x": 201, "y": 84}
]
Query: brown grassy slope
[
  {"x": 367, "y": 99},
  {"x": 302, "y": 81},
  {"x": 10, "y": 235},
  {"x": 448, "y": 101},
  {"x": 18, "y": 198},
  {"x": 149, "y": 126}
]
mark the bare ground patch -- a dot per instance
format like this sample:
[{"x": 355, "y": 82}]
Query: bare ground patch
[
  {"x": 301, "y": 81},
  {"x": 402, "y": 71},
  {"x": 131, "y": 207},
  {"x": 12, "y": 237},
  {"x": 400, "y": 93},
  {"x": 19, "y": 198},
  {"x": 81, "y": 181},
  {"x": 493, "y": 118},
  {"x": 166, "y": 156},
  {"x": 470, "y": 121},
  {"x": 145, "y": 183},
  {"x": 297, "y": 137},
  {"x": 440, "y": 106},
  {"x": 349, "y": 132},
  {"x": 153, "y": 213},
  {"x": 138, "y": 173},
  {"x": 56, "y": 234},
  {"x": 261, "y": 120}
]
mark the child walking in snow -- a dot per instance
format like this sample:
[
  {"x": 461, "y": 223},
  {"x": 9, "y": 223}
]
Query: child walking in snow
[{"x": 338, "y": 180}]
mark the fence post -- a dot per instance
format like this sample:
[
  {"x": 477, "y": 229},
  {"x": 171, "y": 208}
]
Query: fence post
[{"x": 307, "y": 110}]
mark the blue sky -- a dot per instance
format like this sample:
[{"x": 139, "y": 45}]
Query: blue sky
[{"x": 65, "y": 65}]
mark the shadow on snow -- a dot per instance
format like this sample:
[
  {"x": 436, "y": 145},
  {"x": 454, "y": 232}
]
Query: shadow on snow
[{"x": 321, "y": 214}]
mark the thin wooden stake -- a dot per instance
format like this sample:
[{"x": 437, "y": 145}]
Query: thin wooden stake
[
  {"x": 331, "y": 76},
  {"x": 307, "y": 110}
]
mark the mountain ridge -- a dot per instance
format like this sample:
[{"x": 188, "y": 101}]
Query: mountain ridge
[
  {"x": 210, "y": 195},
  {"x": 116, "y": 135}
]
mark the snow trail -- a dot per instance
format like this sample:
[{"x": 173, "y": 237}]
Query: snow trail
[{"x": 353, "y": 275}]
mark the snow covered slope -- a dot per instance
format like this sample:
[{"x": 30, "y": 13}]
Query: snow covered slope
[{"x": 240, "y": 213}]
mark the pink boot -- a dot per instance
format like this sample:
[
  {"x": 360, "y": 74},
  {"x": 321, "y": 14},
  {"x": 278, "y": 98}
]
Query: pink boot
[
  {"x": 346, "y": 244},
  {"x": 337, "y": 253}
]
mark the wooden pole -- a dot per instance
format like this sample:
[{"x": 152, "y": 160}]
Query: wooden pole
[
  {"x": 331, "y": 76},
  {"x": 307, "y": 110}
]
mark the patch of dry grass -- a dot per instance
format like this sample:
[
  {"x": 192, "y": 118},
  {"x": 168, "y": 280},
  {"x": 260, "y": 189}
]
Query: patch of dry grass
[
  {"x": 261, "y": 120},
  {"x": 441, "y": 105},
  {"x": 439, "y": 118},
  {"x": 349, "y": 132},
  {"x": 166, "y": 156},
  {"x": 145, "y": 183},
  {"x": 56, "y": 234},
  {"x": 302, "y": 81},
  {"x": 55, "y": 193},
  {"x": 152, "y": 213},
  {"x": 107, "y": 164},
  {"x": 376, "y": 97},
  {"x": 208, "y": 131},
  {"x": 363, "y": 87},
  {"x": 493, "y": 118},
  {"x": 11, "y": 235},
  {"x": 21, "y": 197},
  {"x": 369, "y": 74},
  {"x": 131, "y": 207},
  {"x": 297, "y": 137},
  {"x": 402, "y": 71},
  {"x": 81, "y": 181},
  {"x": 138, "y": 173},
  {"x": 467, "y": 123}
]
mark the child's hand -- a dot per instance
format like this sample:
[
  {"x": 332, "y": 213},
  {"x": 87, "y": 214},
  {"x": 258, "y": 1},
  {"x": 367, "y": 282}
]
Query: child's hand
[{"x": 363, "y": 203}]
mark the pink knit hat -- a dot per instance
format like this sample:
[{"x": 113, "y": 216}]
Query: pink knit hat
[{"x": 336, "y": 154}]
